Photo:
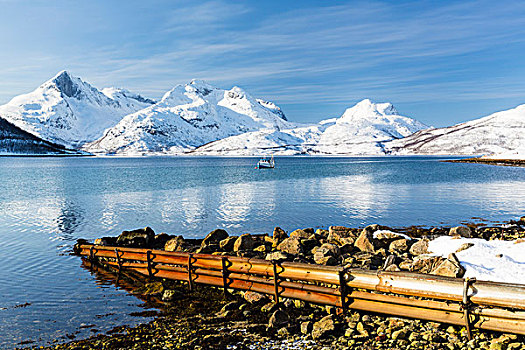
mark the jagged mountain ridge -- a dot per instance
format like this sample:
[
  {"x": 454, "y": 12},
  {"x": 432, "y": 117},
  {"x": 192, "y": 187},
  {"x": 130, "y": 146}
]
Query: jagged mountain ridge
[
  {"x": 14, "y": 140},
  {"x": 187, "y": 117},
  {"x": 498, "y": 133},
  {"x": 69, "y": 111},
  {"x": 361, "y": 130}
]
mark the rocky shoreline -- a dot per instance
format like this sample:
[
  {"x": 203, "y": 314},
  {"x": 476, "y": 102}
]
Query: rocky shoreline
[
  {"x": 205, "y": 318},
  {"x": 501, "y": 162}
]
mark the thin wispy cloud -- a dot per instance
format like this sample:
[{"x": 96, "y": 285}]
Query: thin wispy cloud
[{"x": 413, "y": 53}]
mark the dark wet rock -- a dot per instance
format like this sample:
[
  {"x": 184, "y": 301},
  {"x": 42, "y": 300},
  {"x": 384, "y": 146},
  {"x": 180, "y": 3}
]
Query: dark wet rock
[
  {"x": 140, "y": 238},
  {"x": 300, "y": 234},
  {"x": 214, "y": 237},
  {"x": 160, "y": 240},
  {"x": 208, "y": 249},
  {"x": 278, "y": 319},
  {"x": 463, "y": 231},
  {"x": 420, "y": 247},
  {"x": 107, "y": 241},
  {"x": 450, "y": 267},
  {"x": 171, "y": 295},
  {"x": 177, "y": 244},
  {"x": 323, "y": 327},
  {"x": 244, "y": 242},
  {"x": 279, "y": 235},
  {"x": 227, "y": 244},
  {"x": 291, "y": 245},
  {"x": 365, "y": 241},
  {"x": 270, "y": 307}
]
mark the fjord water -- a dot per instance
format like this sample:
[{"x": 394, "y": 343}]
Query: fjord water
[{"x": 47, "y": 203}]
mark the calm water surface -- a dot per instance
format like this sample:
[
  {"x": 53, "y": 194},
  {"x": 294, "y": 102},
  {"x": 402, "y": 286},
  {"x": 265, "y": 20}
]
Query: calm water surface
[{"x": 47, "y": 203}]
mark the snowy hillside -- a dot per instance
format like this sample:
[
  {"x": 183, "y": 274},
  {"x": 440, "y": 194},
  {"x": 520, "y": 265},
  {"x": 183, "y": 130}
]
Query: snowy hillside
[
  {"x": 189, "y": 116},
  {"x": 498, "y": 133},
  {"x": 69, "y": 111},
  {"x": 14, "y": 140},
  {"x": 361, "y": 130}
]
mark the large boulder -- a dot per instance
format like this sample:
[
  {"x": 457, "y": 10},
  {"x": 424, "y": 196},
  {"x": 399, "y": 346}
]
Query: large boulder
[
  {"x": 327, "y": 254},
  {"x": 323, "y": 327},
  {"x": 425, "y": 263},
  {"x": 244, "y": 242},
  {"x": 291, "y": 245},
  {"x": 365, "y": 241},
  {"x": 398, "y": 246},
  {"x": 227, "y": 244},
  {"x": 279, "y": 235},
  {"x": 300, "y": 234},
  {"x": 463, "y": 231},
  {"x": 214, "y": 237},
  {"x": 139, "y": 238},
  {"x": 177, "y": 244},
  {"x": 420, "y": 247},
  {"x": 451, "y": 267}
]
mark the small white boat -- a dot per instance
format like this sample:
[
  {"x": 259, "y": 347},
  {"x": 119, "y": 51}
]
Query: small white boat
[{"x": 266, "y": 163}]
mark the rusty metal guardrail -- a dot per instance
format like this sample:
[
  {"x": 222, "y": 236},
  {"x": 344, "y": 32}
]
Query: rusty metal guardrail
[{"x": 473, "y": 304}]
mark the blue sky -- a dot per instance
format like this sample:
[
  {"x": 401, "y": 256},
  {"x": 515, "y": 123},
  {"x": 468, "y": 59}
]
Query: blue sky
[{"x": 437, "y": 61}]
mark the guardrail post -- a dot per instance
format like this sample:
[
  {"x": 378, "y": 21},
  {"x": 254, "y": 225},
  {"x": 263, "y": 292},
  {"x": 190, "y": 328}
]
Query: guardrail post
[
  {"x": 275, "y": 282},
  {"x": 149, "y": 258},
  {"x": 466, "y": 305},
  {"x": 190, "y": 272},
  {"x": 343, "y": 289},
  {"x": 225, "y": 274}
]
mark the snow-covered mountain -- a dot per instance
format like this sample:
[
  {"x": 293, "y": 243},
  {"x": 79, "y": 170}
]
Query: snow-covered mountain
[
  {"x": 14, "y": 140},
  {"x": 189, "y": 116},
  {"x": 361, "y": 130},
  {"x": 498, "y": 135},
  {"x": 69, "y": 111}
]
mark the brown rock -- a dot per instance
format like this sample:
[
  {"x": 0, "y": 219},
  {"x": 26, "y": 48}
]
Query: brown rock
[
  {"x": 451, "y": 267},
  {"x": 398, "y": 246},
  {"x": 278, "y": 235},
  {"x": 300, "y": 234},
  {"x": 420, "y": 247},
  {"x": 426, "y": 264},
  {"x": 291, "y": 245},
  {"x": 365, "y": 241},
  {"x": 254, "y": 297},
  {"x": 177, "y": 244},
  {"x": 464, "y": 246},
  {"x": 277, "y": 256},
  {"x": 323, "y": 327},
  {"x": 306, "y": 327},
  {"x": 340, "y": 235},
  {"x": 214, "y": 237},
  {"x": 244, "y": 242},
  {"x": 463, "y": 231}
]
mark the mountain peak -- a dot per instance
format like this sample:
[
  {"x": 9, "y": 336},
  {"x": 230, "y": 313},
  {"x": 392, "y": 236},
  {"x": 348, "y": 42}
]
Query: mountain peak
[
  {"x": 367, "y": 108},
  {"x": 66, "y": 84}
]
